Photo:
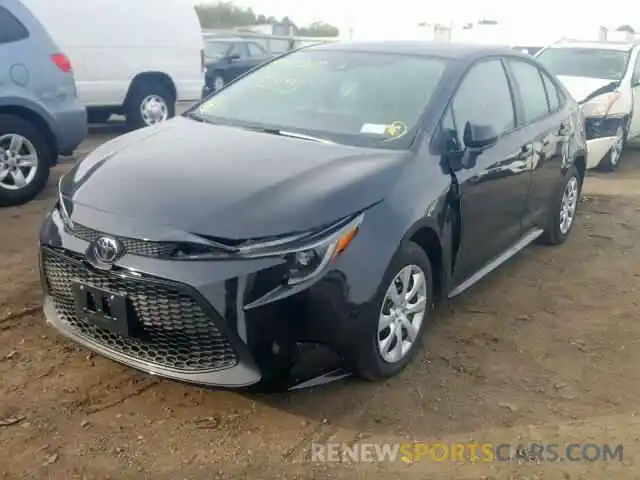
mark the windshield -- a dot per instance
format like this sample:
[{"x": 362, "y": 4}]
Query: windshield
[
  {"x": 585, "y": 62},
  {"x": 356, "y": 98},
  {"x": 216, "y": 49}
]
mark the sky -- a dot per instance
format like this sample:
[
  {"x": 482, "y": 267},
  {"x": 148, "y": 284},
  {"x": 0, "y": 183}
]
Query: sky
[{"x": 522, "y": 21}]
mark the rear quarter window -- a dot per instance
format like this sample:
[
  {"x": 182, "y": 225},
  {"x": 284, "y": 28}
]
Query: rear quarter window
[{"x": 11, "y": 29}]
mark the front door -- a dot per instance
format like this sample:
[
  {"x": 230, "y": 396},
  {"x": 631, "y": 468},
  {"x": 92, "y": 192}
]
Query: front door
[
  {"x": 241, "y": 63},
  {"x": 493, "y": 192}
]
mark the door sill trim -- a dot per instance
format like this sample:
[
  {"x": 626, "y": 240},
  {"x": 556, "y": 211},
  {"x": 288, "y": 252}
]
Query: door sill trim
[{"x": 521, "y": 244}]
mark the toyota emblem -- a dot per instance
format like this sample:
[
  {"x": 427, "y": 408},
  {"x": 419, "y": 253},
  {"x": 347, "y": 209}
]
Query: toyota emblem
[{"x": 107, "y": 249}]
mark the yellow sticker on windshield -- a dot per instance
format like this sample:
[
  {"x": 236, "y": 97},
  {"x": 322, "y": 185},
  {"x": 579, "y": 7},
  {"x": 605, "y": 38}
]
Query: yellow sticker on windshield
[{"x": 396, "y": 130}]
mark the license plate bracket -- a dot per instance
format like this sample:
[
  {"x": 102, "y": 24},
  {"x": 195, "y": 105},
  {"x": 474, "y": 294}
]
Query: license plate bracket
[{"x": 105, "y": 309}]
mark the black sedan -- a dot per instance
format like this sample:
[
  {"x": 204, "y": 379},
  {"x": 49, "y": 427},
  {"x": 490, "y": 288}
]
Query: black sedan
[
  {"x": 333, "y": 196},
  {"x": 228, "y": 58}
]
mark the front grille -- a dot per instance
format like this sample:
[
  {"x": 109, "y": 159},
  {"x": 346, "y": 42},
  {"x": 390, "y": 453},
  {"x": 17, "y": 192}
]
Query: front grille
[
  {"x": 177, "y": 333},
  {"x": 132, "y": 246}
]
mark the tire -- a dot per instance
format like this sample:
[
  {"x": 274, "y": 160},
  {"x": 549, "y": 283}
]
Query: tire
[
  {"x": 98, "y": 116},
  {"x": 141, "y": 93},
  {"x": 217, "y": 82},
  {"x": 611, "y": 160},
  {"x": 33, "y": 139},
  {"x": 554, "y": 234},
  {"x": 367, "y": 356}
]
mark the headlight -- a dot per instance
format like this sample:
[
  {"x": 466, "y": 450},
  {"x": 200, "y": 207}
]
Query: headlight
[
  {"x": 309, "y": 262},
  {"x": 600, "y": 105},
  {"x": 62, "y": 207}
]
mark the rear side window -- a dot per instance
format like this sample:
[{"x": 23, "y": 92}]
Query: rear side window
[
  {"x": 532, "y": 91},
  {"x": 255, "y": 51},
  {"x": 11, "y": 29},
  {"x": 484, "y": 98},
  {"x": 552, "y": 93}
]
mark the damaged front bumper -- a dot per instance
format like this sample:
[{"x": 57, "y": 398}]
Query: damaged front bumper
[{"x": 601, "y": 135}]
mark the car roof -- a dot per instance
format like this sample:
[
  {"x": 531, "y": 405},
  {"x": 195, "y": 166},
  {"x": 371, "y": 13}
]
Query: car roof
[
  {"x": 421, "y": 47},
  {"x": 223, "y": 39},
  {"x": 601, "y": 45}
]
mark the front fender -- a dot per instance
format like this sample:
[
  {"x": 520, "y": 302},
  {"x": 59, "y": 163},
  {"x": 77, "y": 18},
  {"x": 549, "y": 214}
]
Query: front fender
[{"x": 386, "y": 228}]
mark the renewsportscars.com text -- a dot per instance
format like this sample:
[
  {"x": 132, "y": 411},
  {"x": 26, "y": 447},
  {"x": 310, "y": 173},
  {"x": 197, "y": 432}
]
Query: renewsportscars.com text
[{"x": 466, "y": 452}]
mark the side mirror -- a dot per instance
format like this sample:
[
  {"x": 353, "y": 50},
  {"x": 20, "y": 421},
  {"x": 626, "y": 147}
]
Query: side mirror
[
  {"x": 232, "y": 57},
  {"x": 635, "y": 82},
  {"x": 479, "y": 137}
]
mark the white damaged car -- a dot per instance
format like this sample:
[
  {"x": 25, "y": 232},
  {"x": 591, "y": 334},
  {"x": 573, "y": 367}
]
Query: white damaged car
[{"x": 604, "y": 78}]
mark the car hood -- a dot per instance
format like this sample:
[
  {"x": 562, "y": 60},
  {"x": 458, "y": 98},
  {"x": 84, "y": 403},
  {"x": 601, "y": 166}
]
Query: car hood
[
  {"x": 223, "y": 182},
  {"x": 582, "y": 87}
]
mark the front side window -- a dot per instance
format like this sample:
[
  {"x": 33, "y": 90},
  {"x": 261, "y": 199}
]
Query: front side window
[
  {"x": 356, "y": 98},
  {"x": 11, "y": 29},
  {"x": 531, "y": 89},
  {"x": 216, "y": 50},
  {"x": 484, "y": 98},
  {"x": 605, "y": 64},
  {"x": 240, "y": 49},
  {"x": 636, "y": 72}
]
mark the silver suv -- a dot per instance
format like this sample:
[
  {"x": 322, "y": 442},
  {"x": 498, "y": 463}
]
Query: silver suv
[{"x": 40, "y": 116}]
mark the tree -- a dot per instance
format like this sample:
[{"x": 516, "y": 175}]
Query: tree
[
  {"x": 319, "y": 29},
  {"x": 625, "y": 28},
  {"x": 225, "y": 15}
]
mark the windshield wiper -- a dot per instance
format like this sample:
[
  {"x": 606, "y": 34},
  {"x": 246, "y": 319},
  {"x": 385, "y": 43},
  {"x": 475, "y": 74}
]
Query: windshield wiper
[{"x": 285, "y": 133}]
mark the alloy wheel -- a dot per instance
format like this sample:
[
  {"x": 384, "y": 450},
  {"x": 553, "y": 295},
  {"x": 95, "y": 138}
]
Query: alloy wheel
[
  {"x": 18, "y": 162},
  {"x": 402, "y": 313},
  {"x": 616, "y": 149},
  {"x": 568, "y": 205},
  {"x": 154, "y": 109},
  {"x": 218, "y": 83}
]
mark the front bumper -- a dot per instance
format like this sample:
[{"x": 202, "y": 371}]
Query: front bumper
[
  {"x": 601, "y": 136},
  {"x": 200, "y": 325}
]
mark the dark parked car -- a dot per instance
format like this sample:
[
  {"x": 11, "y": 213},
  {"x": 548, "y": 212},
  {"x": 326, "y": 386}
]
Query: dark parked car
[
  {"x": 40, "y": 115},
  {"x": 332, "y": 196},
  {"x": 228, "y": 58}
]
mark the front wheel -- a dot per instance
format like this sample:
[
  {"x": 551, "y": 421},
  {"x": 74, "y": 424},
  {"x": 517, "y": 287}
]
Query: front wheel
[
  {"x": 395, "y": 319},
  {"x": 611, "y": 160},
  {"x": 24, "y": 160},
  {"x": 564, "y": 206}
]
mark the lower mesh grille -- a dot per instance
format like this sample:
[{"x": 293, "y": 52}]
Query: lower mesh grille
[{"x": 178, "y": 334}]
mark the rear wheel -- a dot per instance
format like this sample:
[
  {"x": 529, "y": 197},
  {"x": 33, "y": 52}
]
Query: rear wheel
[
  {"x": 150, "y": 102},
  {"x": 563, "y": 210},
  {"x": 396, "y": 318},
  {"x": 24, "y": 160}
]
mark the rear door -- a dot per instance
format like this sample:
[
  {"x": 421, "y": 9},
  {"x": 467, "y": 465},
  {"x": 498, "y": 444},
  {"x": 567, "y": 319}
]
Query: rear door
[
  {"x": 542, "y": 118},
  {"x": 494, "y": 191}
]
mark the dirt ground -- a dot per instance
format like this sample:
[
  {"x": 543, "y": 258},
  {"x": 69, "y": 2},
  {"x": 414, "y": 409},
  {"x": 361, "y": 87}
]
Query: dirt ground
[{"x": 545, "y": 350}]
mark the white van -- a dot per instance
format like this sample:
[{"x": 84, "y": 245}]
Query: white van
[{"x": 135, "y": 58}]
